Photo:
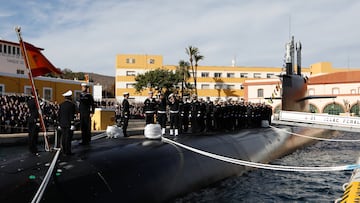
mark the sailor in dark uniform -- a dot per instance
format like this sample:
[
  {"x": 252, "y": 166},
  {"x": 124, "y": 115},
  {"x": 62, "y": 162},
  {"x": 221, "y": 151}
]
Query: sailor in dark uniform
[
  {"x": 33, "y": 124},
  {"x": 195, "y": 114},
  {"x": 209, "y": 114},
  {"x": 185, "y": 115},
  {"x": 174, "y": 115},
  {"x": 150, "y": 109},
  {"x": 66, "y": 116},
  {"x": 125, "y": 113},
  {"x": 86, "y": 109},
  {"x": 161, "y": 112}
]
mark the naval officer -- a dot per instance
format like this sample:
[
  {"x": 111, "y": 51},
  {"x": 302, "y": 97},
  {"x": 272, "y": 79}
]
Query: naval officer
[
  {"x": 33, "y": 124},
  {"x": 125, "y": 112},
  {"x": 86, "y": 108},
  {"x": 150, "y": 108},
  {"x": 66, "y": 116}
]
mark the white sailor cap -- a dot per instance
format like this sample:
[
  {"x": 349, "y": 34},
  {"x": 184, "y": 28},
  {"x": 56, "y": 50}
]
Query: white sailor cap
[
  {"x": 67, "y": 94},
  {"x": 171, "y": 95},
  {"x": 126, "y": 93},
  {"x": 84, "y": 85},
  {"x": 150, "y": 92}
]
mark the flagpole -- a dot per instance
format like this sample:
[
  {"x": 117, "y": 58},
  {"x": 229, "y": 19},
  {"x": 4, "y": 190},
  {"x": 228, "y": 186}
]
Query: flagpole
[{"x": 26, "y": 60}]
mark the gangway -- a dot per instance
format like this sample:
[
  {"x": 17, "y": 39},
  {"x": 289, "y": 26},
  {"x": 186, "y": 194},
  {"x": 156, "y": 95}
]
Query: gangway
[{"x": 318, "y": 120}]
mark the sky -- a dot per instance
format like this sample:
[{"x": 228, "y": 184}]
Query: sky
[{"x": 86, "y": 35}]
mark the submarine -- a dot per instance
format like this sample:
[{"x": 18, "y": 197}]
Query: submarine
[{"x": 153, "y": 170}]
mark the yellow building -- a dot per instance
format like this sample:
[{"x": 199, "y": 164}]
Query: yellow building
[
  {"x": 51, "y": 89},
  {"x": 212, "y": 81}
]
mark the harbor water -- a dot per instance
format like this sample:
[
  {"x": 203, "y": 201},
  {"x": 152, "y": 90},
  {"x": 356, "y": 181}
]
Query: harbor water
[{"x": 262, "y": 185}]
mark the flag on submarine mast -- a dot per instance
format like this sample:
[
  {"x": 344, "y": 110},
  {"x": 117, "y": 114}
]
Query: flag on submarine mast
[{"x": 36, "y": 64}]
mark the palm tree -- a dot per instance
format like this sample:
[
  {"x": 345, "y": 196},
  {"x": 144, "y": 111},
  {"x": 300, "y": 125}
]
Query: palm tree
[
  {"x": 183, "y": 70},
  {"x": 194, "y": 55},
  {"x": 197, "y": 58}
]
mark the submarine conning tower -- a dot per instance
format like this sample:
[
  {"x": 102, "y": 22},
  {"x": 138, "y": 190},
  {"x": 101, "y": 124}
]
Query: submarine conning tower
[{"x": 294, "y": 86}]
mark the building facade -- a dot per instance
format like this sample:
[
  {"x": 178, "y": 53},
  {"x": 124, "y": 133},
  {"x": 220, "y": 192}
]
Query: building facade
[
  {"x": 212, "y": 81},
  {"x": 336, "y": 92}
]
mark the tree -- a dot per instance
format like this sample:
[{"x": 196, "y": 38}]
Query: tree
[
  {"x": 183, "y": 71},
  {"x": 194, "y": 55},
  {"x": 158, "y": 79}
]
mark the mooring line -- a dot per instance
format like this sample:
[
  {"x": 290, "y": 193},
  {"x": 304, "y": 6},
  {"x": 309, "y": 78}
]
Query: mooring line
[{"x": 261, "y": 165}]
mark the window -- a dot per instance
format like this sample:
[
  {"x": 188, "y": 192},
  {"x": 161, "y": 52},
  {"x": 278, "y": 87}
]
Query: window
[
  {"x": 130, "y": 85},
  {"x": 218, "y": 86},
  {"x": 260, "y": 93},
  {"x": 241, "y": 87},
  {"x": 353, "y": 91},
  {"x": 217, "y": 75},
  {"x": 257, "y": 75},
  {"x": 5, "y": 48},
  {"x": 311, "y": 92},
  {"x": 243, "y": 75},
  {"x": 0, "y": 48},
  {"x": 9, "y": 49},
  {"x": 205, "y": 86},
  {"x": 230, "y": 87},
  {"x": 269, "y": 75},
  {"x": 27, "y": 90},
  {"x": 47, "y": 93},
  {"x": 204, "y": 74},
  {"x": 130, "y": 60},
  {"x": 335, "y": 90},
  {"x": 230, "y": 75},
  {"x": 151, "y": 61},
  {"x": 18, "y": 51},
  {"x": 2, "y": 89},
  {"x": 13, "y": 51},
  {"x": 21, "y": 72},
  {"x": 130, "y": 73}
]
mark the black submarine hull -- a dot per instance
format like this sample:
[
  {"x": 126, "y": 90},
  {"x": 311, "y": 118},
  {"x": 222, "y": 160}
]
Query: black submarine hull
[{"x": 141, "y": 170}]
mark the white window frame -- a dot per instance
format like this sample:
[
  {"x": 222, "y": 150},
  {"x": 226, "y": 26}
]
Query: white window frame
[
  {"x": 257, "y": 75},
  {"x": 27, "y": 90},
  {"x": 151, "y": 61},
  {"x": 311, "y": 92},
  {"x": 2, "y": 89},
  {"x": 260, "y": 93},
  {"x": 204, "y": 74},
  {"x": 44, "y": 93},
  {"x": 243, "y": 75},
  {"x": 130, "y": 60},
  {"x": 205, "y": 86},
  {"x": 335, "y": 91},
  {"x": 130, "y": 73},
  {"x": 217, "y": 75},
  {"x": 130, "y": 85},
  {"x": 230, "y": 75}
]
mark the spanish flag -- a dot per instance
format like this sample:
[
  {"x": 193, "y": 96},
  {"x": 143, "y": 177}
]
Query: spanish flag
[{"x": 37, "y": 62}]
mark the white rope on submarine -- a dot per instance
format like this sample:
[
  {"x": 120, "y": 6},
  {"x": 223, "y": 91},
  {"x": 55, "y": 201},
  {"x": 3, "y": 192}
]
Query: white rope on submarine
[
  {"x": 46, "y": 179},
  {"x": 261, "y": 165},
  {"x": 314, "y": 138}
]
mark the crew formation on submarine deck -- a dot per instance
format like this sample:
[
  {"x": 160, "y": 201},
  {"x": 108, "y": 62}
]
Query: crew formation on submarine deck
[{"x": 196, "y": 115}]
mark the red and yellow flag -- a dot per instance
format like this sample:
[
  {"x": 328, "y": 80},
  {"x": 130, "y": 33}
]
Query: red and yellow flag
[{"x": 38, "y": 63}]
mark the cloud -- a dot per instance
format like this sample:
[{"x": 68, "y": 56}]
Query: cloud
[{"x": 86, "y": 35}]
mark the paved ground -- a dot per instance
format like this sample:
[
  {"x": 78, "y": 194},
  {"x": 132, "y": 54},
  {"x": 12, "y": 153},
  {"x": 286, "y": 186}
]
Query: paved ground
[{"x": 135, "y": 129}]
